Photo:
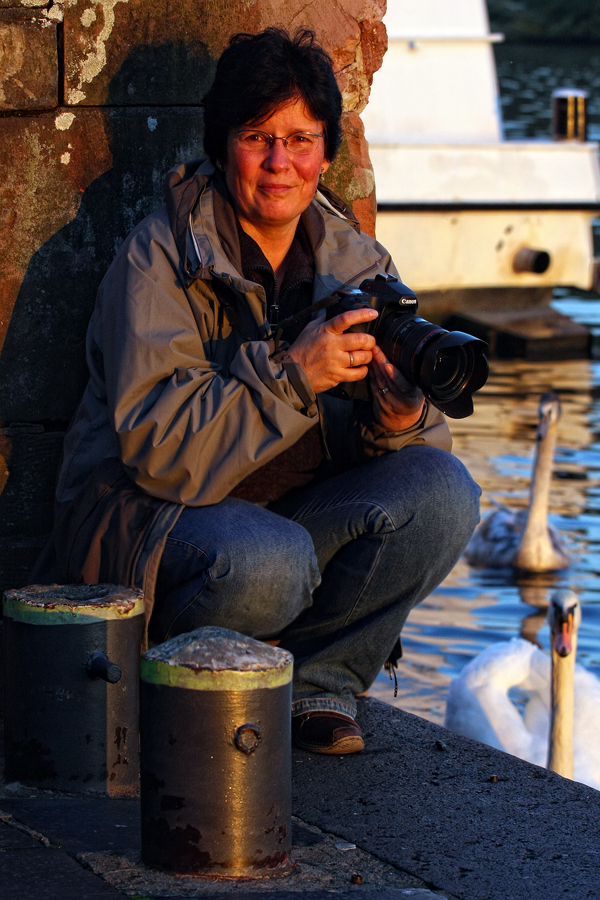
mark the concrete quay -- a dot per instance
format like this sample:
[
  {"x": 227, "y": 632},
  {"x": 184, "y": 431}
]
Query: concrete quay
[{"x": 431, "y": 815}]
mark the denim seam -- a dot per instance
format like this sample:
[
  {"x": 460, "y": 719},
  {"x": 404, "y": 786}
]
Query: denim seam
[
  {"x": 179, "y": 542},
  {"x": 181, "y": 612},
  {"x": 199, "y": 552},
  {"x": 351, "y": 505},
  {"x": 367, "y": 582}
]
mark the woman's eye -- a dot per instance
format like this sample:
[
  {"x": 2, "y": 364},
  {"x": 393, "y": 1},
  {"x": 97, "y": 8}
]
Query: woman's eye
[{"x": 253, "y": 137}]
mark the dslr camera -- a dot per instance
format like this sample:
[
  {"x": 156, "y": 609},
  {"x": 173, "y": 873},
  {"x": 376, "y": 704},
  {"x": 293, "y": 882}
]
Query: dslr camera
[{"x": 448, "y": 366}]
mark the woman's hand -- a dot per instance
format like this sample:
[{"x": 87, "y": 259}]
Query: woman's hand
[
  {"x": 397, "y": 404},
  {"x": 323, "y": 349}
]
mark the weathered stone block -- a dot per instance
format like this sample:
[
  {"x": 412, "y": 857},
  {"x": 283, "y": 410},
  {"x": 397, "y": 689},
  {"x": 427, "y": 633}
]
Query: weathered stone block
[
  {"x": 72, "y": 185},
  {"x": 106, "y": 38},
  {"x": 131, "y": 52},
  {"x": 28, "y": 61}
]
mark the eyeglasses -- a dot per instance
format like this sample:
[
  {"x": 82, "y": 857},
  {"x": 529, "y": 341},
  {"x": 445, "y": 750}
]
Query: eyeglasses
[{"x": 301, "y": 142}]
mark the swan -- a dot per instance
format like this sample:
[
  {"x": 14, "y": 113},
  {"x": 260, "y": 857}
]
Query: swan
[
  {"x": 524, "y": 539},
  {"x": 560, "y": 725}
]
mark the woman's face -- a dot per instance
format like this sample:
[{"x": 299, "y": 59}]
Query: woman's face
[{"x": 272, "y": 188}]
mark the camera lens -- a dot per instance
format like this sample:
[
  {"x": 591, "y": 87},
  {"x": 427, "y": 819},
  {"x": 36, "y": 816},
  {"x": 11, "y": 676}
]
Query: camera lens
[
  {"x": 448, "y": 366},
  {"x": 447, "y": 371}
]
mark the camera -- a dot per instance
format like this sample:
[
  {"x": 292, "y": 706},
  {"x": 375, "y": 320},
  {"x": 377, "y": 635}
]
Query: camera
[{"x": 448, "y": 366}]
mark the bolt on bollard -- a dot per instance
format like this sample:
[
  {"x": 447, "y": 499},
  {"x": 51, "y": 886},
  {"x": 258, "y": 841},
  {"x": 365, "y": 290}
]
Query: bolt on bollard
[
  {"x": 71, "y": 687},
  {"x": 215, "y": 740}
]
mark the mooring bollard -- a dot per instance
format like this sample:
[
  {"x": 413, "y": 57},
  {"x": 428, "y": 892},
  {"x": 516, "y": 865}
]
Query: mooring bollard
[
  {"x": 569, "y": 115},
  {"x": 71, "y": 687},
  {"x": 215, "y": 737}
]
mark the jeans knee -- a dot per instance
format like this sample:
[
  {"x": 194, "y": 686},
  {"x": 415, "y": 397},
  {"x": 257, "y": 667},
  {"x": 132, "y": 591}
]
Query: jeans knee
[
  {"x": 269, "y": 578},
  {"x": 453, "y": 495}
]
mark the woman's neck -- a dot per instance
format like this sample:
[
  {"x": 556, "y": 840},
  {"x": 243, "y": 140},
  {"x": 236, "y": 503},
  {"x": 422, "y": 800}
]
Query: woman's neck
[{"x": 274, "y": 241}]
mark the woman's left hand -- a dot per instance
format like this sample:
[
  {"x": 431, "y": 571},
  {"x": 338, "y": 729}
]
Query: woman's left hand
[{"x": 397, "y": 404}]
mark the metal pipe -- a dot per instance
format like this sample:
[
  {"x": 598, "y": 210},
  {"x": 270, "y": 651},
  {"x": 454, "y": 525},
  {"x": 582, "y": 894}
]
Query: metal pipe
[
  {"x": 215, "y": 740},
  {"x": 71, "y": 663},
  {"x": 527, "y": 259}
]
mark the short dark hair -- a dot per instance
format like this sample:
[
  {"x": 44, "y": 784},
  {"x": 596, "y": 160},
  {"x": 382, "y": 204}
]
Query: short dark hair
[{"x": 257, "y": 73}]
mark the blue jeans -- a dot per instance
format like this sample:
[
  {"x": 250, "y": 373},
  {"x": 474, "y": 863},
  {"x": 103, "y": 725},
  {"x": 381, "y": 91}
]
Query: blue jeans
[{"x": 332, "y": 570}]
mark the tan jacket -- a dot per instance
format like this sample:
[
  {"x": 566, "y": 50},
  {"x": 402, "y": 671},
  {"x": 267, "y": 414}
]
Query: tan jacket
[{"x": 180, "y": 407}]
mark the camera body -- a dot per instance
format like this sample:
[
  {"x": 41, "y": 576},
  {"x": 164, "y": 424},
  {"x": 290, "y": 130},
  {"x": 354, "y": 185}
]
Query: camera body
[{"x": 448, "y": 366}]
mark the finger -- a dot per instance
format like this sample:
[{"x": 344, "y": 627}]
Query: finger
[
  {"x": 352, "y": 359},
  {"x": 391, "y": 376},
  {"x": 341, "y": 323},
  {"x": 356, "y": 340},
  {"x": 356, "y": 373},
  {"x": 383, "y": 362}
]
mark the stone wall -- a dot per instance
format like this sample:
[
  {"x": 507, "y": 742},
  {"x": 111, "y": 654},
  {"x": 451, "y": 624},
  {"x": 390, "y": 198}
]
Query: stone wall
[{"x": 98, "y": 99}]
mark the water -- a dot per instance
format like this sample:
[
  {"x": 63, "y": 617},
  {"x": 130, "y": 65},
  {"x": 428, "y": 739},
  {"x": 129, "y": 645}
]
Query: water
[{"x": 473, "y": 609}]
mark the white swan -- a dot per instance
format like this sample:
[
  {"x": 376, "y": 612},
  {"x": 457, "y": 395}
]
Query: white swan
[
  {"x": 479, "y": 705},
  {"x": 524, "y": 539}
]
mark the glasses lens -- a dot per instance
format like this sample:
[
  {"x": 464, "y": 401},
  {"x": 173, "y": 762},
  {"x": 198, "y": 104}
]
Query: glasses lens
[
  {"x": 302, "y": 142},
  {"x": 253, "y": 140},
  {"x": 258, "y": 141}
]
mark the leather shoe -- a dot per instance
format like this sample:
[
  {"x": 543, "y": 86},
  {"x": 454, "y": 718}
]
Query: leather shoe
[{"x": 327, "y": 732}]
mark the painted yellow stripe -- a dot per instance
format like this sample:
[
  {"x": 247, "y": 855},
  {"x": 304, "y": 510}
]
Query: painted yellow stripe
[
  {"x": 66, "y": 614},
  {"x": 156, "y": 672}
]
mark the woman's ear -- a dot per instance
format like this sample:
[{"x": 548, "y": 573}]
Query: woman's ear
[{"x": 325, "y": 166}]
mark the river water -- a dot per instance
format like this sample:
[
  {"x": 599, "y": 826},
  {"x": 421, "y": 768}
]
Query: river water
[{"x": 473, "y": 609}]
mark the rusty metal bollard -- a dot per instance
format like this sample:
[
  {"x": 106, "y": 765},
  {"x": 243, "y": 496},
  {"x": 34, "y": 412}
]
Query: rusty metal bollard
[
  {"x": 215, "y": 736},
  {"x": 71, "y": 687}
]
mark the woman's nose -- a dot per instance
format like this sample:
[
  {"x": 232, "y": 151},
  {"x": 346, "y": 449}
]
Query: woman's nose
[{"x": 277, "y": 157}]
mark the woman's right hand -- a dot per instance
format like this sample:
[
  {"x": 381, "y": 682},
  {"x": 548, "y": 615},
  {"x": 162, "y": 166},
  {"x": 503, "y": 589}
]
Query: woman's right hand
[{"x": 323, "y": 349}]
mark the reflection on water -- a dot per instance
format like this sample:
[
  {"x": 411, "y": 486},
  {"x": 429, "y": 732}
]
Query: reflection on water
[{"x": 473, "y": 609}]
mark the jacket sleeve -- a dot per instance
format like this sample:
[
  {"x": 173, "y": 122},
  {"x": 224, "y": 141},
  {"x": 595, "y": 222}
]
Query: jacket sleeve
[
  {"x": 431, "y": 429},
  {"x": 187, "y": 432}
]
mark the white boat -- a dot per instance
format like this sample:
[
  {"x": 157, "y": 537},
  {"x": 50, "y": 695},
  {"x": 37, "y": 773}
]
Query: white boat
[{"x": 457, "y": 206}]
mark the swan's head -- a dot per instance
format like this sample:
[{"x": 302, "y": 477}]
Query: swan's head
[
  {"x": 549, "y": 412},
  {"x": 564, "y": 616}
]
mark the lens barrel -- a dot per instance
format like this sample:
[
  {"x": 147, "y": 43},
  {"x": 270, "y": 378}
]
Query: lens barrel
[{"x": 448, "y": 366}]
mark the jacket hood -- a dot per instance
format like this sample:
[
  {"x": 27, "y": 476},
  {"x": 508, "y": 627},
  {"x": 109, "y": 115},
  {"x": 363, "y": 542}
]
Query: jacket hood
[{"x": 183, "y": 186}]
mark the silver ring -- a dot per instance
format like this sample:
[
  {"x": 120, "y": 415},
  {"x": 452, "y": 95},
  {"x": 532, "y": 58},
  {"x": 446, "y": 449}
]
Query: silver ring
[
  {"x": 351, "y": 360},
  {"x": 383, "y": 390}
]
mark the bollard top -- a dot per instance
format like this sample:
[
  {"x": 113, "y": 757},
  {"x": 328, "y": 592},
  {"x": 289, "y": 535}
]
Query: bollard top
[
  {"x": 60, "y": 604},
  {"x": 213, "y": 658}
]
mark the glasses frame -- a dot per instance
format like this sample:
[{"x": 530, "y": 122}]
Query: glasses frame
[{"x": 271, "y": 138}]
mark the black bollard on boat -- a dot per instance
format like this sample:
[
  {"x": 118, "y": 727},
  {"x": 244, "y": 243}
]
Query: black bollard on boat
[
  {"x": 569, "y": 115},
  {"x": 215, "y": 740},
  {"x": 71, "y": 687}
]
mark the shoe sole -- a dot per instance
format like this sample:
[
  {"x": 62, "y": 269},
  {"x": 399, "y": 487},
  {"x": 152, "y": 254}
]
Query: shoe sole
[{"x": 344, "y": 745}]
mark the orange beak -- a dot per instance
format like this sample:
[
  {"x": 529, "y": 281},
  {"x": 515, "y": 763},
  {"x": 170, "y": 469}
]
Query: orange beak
[{"x": 563, "y": 643}]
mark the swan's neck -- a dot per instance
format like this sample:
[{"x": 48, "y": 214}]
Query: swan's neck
[
  {"x": 536, "y": 551},
  {"x": 560, "y": 747}
]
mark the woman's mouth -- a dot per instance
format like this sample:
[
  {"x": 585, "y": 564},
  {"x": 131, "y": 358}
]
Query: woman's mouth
[{"x": 275, "y": 189}]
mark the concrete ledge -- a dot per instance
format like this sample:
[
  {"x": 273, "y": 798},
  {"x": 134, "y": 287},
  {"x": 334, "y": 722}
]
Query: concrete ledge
[
  {"x": 469, "y": 820},
  {"x": 428, "y": 811}
]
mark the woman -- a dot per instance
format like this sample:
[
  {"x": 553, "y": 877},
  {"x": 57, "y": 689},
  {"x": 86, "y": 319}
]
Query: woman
[{"x": 218, "y": 474}]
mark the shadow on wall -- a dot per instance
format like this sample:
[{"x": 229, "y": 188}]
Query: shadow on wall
[{"x": 151, "y": 122}]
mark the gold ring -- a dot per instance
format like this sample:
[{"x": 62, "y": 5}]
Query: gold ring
[{"x": 351, "y": 360}]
